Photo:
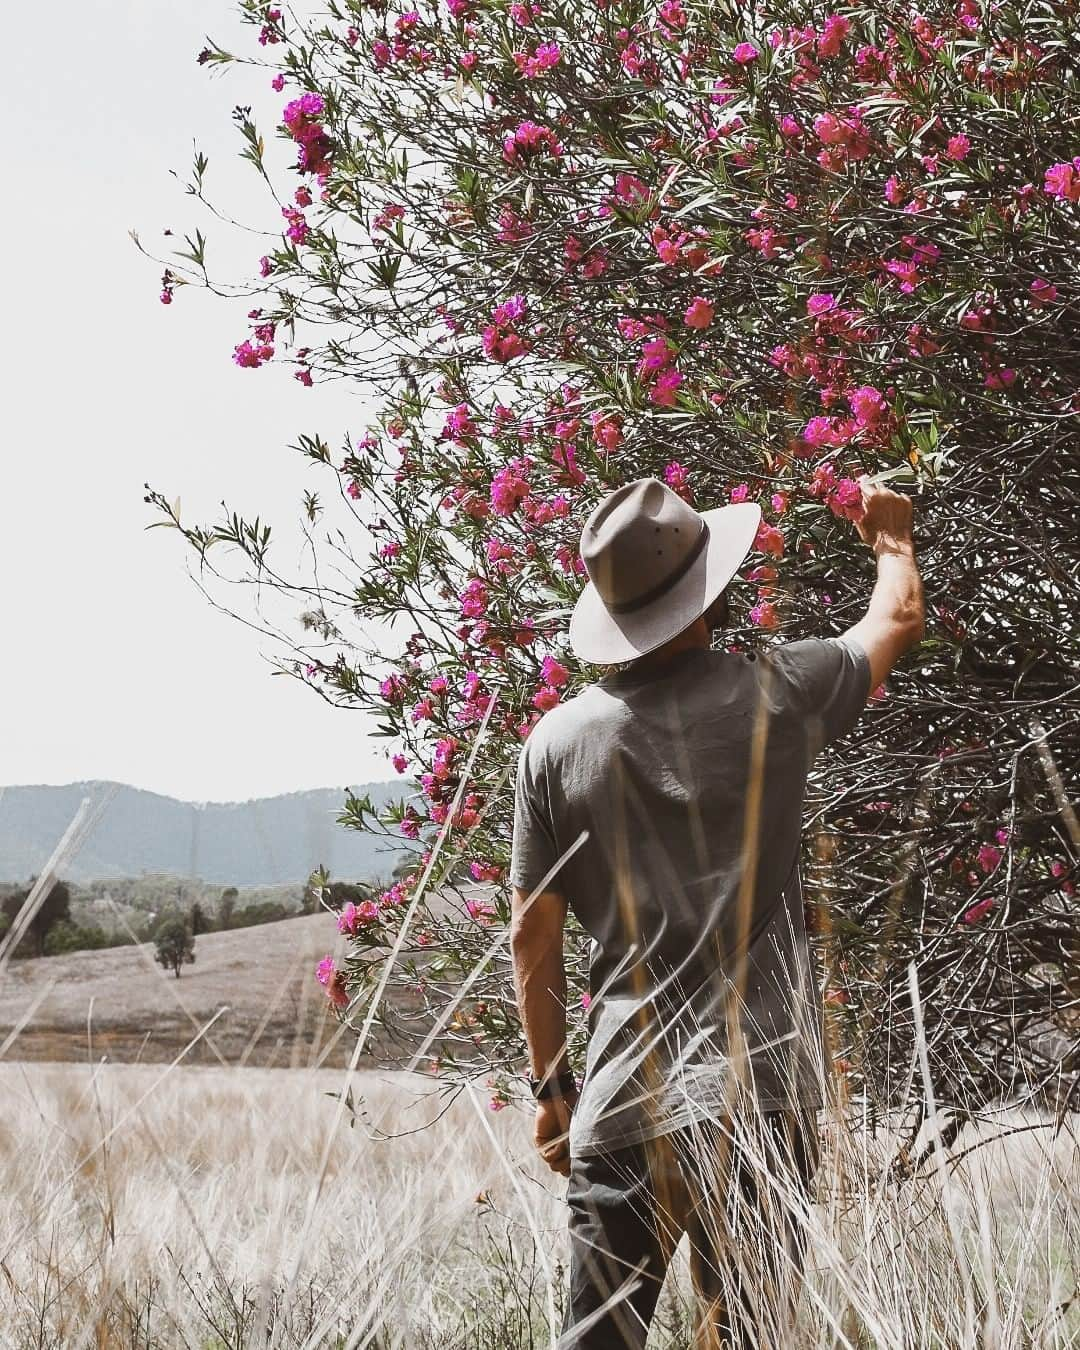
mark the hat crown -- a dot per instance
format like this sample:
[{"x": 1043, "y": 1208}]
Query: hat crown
[{"x": 637, "y": 537}]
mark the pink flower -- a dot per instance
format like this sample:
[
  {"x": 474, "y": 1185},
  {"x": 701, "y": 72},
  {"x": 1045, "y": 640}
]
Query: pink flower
[
  {"x": 554, "y": 673},
  {"x": 833, "y": 32},
  {"x": 677, "y": 478},
  {"x": 324, "y": 971},
  {"x": 546, "y": 55},
  {"x": 252, "y": 356},
  {"x": 779, "y": 502},
  {"x": 277, "y": 84},
  {"x": 265, "y": 266},
  {"x": 959, "y": 147},
  {"x": 740, "y": 492},
  {"x": 545, "y": 698},
  {"x": 586, "y": 1001},
  {"x": 480, "y": 910},
  {"x": 607, "y": 430},
  {"x": 529, "y": 140},
  {"x": 769, "y": 540},
  {"x": 1042, "y": 292},
  {"x": 978, "y": 910},
  {"x": 989, "y": 857},
  {"x": 868, "y": 405},
  {"x": 656, "y": 354},
  {"x": 820, "y": 304},
  {"x": 895, "y": 192},
  {"x": 485, "y": 871},
  {"x": 353, "y": 916},
  {"x": 393, "y": 689},
  {"x": 1063, "y": 180},
  {"x": 474, "y": 599},
  {"x": 764, "y": 614},
  {"x": 665, "y": 387},
  {"x": 400, "y": 763},
  {"x": 744, "y": 53},
  {"x": 846, "y": 501},
  {"x": 699, "y": 313},
  {"x": 508, "y": 488}
]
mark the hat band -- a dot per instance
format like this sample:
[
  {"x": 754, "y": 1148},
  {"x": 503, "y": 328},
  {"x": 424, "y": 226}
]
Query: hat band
[{"x": 655, "y": 592}]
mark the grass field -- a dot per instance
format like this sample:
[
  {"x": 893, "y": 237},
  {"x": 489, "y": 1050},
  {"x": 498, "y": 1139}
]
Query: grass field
[
  {"x": 133, "y": 1010},
  {"x": 148, "y": 1206}
]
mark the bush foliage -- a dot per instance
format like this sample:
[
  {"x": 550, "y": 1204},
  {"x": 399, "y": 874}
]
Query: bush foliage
[{"x": 753, "y": 253}]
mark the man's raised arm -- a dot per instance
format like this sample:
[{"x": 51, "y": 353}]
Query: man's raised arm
[{"x": 895, "y": 618}]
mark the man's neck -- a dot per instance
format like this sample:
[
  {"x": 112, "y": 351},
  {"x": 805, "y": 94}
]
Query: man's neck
[{"x": 695, "y": 636}]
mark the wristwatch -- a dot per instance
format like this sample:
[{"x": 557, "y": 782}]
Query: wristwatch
[{"x": 563, "y": 1084}]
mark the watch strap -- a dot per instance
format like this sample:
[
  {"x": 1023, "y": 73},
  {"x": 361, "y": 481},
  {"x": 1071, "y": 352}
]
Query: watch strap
[{"x": 563, "y": 1084}]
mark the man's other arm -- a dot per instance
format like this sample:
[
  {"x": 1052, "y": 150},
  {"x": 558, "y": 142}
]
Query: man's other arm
[
  {"x": 895, "y": 618},
  {"x": 536, "y": 945}
]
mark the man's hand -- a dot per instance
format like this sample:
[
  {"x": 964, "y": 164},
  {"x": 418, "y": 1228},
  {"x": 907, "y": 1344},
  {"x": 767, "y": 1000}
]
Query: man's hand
[
  {"x": 887, "y": 515},
  {"x": 551, "y": 1132},
  {"x": 895, "y": 619}
]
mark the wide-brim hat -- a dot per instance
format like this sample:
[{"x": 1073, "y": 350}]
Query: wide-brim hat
[{"x": 655, "y": 565}]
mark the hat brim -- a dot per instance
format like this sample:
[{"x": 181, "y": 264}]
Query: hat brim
[{"x": 604, "y": 638}]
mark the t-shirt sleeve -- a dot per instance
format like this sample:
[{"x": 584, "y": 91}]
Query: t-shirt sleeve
[
  {"x": 533, "y": 851},
  {"x": 828, "y": 682}
]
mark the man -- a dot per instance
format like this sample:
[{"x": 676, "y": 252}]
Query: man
[{"x": 663, "y": 804}]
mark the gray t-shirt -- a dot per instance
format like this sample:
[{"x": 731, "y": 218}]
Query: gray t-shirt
[{"x": 657, "y": 767}]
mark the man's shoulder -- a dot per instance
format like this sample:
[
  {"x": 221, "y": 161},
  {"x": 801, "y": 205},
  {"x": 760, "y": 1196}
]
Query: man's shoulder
[{"x": 566, "y": 722}]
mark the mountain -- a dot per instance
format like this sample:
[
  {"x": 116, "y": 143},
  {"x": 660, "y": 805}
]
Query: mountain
[{"x": 263, "y": 841}]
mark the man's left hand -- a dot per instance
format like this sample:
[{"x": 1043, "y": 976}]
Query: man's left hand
[{"x": 551, "y": 1132}]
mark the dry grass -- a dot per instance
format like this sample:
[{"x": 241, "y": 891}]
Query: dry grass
[{"x": 211, "y": 1207}]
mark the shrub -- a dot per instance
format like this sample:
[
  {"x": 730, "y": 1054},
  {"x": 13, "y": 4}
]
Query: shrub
[{"x": 754, "y": 254}]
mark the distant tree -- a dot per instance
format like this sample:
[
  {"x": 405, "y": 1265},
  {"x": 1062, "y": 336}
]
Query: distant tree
[
  {"x": 320, "y": 892},
  {"x": 227, "y": 906},
  {"x": 175, "y": 944},
  {"x": 65, "y": 936},
  {"x": 55, "y": 907},
  {"x": 197, "y": 919},
  {"x": 268, "y": 911}
]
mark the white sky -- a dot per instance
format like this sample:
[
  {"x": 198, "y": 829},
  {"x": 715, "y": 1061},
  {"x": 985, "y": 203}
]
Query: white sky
[{"x": 114, "y": 665}]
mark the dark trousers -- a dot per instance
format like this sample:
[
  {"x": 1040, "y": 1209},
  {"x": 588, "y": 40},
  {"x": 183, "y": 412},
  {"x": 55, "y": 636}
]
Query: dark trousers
[{"x": 630, "y": 1206}]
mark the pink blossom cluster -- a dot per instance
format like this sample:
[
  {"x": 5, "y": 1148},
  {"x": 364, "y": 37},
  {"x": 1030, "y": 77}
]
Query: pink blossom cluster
[
  {"x": 588, "y": 263},
  {"x": 1062, "y": 180},
  {"x": 607, "y": 429},
  {"x": 546, "y": 55},
  {"x": 269, "y": 34},
  {"x": 843, "y": 496},
  {"x": 333, "y": 980},
  {"x": 252, "y": 355},
  {"x": 301, "y": 121},
  {"x": 353, "y": 917},
  {"x": 554, "y": 676},
  {"x": 529, "y": 141},
  {"x": 510, "y": 486},
  {"x": 501, "y": 339}
]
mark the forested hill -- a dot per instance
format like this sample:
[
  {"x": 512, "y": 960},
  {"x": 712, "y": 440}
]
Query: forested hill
[{"x": 262, "y": 841}]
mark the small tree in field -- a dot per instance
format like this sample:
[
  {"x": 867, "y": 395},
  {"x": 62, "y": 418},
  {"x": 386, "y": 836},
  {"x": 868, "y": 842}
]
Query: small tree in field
[
  {"x": 753, "y": 252},
  {"x": 227, "y": 906},
  {"x": 175, "y": 944}
]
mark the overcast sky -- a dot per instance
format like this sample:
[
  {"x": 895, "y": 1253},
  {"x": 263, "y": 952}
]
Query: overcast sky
[{"x": 115, "y": 666}]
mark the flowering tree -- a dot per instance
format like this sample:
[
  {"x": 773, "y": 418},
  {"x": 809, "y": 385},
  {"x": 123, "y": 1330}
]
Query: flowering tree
[{"x": 755, "y": 254}]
